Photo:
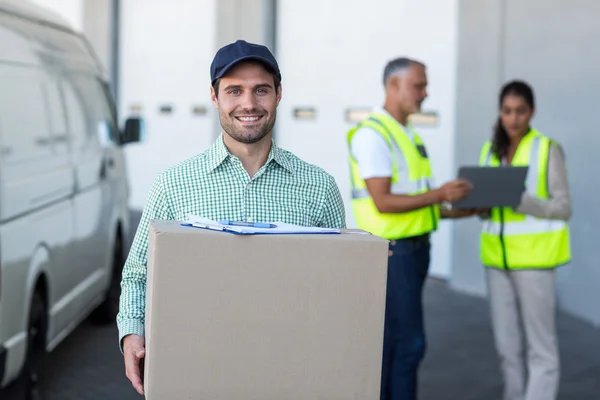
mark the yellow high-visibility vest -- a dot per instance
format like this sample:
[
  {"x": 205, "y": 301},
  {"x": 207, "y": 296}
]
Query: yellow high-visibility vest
[
  {"x": 411, "y": 176},
  {"x": 511, "y": 240}
]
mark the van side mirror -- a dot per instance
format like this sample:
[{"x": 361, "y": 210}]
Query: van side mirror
[{"x": 133, "y": 131}]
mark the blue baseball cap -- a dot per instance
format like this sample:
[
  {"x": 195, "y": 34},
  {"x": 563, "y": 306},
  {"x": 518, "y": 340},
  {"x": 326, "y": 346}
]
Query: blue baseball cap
[{"x": 241, "y": 50}]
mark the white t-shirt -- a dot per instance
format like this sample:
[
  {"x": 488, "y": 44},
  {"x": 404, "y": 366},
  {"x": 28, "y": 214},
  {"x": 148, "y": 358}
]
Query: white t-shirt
[{"x": 372, "y": 153}]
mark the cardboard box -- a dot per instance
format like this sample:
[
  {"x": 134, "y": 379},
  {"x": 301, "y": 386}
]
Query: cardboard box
[{"x": 264, "y": 317}]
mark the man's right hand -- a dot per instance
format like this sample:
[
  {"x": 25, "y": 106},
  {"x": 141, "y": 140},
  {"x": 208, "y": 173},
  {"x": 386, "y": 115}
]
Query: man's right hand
[
  {"x": 134, "y": 352},
  {"x": 454, "y": 191}
]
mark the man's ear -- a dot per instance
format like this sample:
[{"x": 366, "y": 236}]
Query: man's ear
[
  {"x": 392, "y": 85},
  {"x": 395, "y": 82},
  {"x": 279, "y": 94},
  {"x": 213, "y": 97}
]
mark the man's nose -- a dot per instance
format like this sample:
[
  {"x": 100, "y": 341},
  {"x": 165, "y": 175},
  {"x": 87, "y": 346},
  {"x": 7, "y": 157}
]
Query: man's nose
[{"x": 248, "y": 101}]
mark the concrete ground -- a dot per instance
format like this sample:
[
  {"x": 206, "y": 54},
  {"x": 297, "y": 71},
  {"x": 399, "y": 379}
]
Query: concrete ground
[{"x": 461, "y": 362}]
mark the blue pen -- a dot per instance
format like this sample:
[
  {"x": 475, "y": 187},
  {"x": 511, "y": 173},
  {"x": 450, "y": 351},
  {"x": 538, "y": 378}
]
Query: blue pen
[{"x": 249, "y": 224}]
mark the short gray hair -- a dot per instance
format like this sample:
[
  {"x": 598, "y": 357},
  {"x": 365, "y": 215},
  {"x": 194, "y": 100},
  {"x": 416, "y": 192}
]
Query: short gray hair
[{"x": 398, "y": 65}]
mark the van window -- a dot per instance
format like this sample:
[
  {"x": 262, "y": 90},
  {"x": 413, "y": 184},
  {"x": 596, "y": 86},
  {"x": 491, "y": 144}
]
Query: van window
[
  {"x": 85, "y": 94},
  {"x": 24, "y": 121},
  {"x": 56, "y": 116},
  {"x": 77, "y": 115}
]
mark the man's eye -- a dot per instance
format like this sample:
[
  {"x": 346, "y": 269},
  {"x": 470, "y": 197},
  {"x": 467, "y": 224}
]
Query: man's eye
[
  {"x": 234, "y": 91},
  {"x": 261, "y": 91}
]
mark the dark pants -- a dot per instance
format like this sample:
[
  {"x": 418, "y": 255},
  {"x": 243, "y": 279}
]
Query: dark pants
[{"x": 404, "y": 334}]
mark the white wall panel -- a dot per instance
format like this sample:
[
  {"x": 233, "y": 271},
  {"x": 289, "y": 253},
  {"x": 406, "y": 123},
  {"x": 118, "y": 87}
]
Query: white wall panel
[
  {"x": 165, "y": 54},
  {"x": 332, "y": 56}
]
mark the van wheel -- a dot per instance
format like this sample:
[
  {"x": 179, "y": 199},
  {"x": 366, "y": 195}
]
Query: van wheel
[
  {"x": 106, "y": 312},
  {"x": 36, "y": 348}
]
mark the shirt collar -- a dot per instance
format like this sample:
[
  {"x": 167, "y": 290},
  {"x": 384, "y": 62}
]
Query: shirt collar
[
  {"x": 381, "y": 110},
  {"x": 219, "y": 153},
  {"x": 281, "y": 157}
]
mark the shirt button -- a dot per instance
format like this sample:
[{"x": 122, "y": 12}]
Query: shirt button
[
  {"x": 249, "y": 219},
  {"x": 248, "y": 185}
]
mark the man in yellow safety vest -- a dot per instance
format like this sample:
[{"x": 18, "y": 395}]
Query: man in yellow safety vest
[{"x": 392, "y": 197}]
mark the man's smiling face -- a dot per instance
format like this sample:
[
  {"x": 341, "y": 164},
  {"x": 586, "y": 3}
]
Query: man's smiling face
[{"x": 247, "y": 101}]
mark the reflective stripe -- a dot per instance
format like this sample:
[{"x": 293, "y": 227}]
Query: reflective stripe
[
  {"x": 401, "y": 164},
  {"x": 533, "y": 172},
  {"x": 531, "y": 225},
  {"x": 360, "y": 194},
  {"x": 409, "y": 187},
  {"x": 410, "y": 134},
  {"x": 405, "y": 186},
  {"x": 405, "y": 129},
  {"x": 488, "y": 158}
]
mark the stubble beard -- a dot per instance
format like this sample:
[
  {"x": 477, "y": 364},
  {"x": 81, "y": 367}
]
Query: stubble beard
[{"x": 246, "y": 135}]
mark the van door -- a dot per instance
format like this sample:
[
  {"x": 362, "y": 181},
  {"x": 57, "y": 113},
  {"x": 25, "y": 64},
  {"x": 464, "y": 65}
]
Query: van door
[
  {"x": 36, "y": 185},
  {"x": 92, "y": 201}
]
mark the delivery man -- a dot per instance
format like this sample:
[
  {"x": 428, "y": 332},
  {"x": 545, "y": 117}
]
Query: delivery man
[
  {"x": 244, "y": 176},
  {"x": 392, "y": 197}
]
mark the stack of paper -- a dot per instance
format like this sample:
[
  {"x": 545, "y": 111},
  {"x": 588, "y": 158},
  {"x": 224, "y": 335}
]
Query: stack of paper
[{"x": 280, "y": 227}]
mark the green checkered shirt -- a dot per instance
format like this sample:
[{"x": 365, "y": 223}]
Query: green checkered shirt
[{"x": 215, "y": 185}]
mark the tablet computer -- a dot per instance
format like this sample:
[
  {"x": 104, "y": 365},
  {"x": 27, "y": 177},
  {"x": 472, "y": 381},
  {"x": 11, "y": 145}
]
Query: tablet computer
[{"x": 493, "y": 186}]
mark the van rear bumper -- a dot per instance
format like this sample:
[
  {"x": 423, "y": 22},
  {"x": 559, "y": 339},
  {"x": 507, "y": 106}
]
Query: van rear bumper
[{"x": 2, "y": 363}]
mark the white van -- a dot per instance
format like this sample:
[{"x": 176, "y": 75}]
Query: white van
[{"x": 64, "y": 218}]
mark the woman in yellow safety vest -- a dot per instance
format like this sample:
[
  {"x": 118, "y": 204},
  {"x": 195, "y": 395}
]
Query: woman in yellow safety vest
[{"x": 522, "y": 247}]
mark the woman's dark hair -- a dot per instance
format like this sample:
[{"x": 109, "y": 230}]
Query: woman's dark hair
[{"x": 500, "y": 140}]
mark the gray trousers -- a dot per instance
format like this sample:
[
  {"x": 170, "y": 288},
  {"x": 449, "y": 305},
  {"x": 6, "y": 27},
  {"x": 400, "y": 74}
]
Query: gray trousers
[{"x": 523, "y": 308}]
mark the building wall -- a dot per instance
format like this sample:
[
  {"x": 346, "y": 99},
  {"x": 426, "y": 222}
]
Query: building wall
[
  {"x": 333, "y": 60},
  {"x": 551, "y": 48},
  {"x": 165, "y": 53}
]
